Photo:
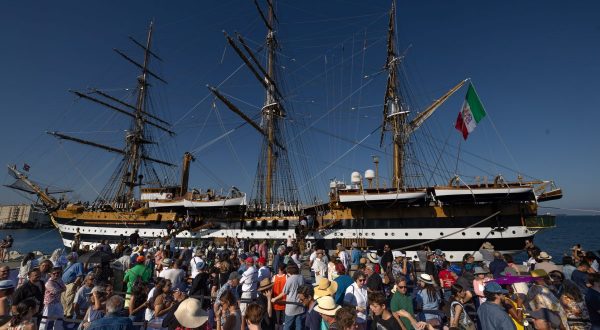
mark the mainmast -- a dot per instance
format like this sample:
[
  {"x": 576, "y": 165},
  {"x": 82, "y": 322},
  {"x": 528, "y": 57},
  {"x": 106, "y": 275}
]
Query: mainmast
[
  {"x": 271, "y": 109},
  {"x": 394, "y": 110}
]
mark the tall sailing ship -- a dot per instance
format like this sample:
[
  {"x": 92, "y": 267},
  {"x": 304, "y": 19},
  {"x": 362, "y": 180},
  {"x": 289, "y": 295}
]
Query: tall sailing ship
[{"x": 456, "y": 217}]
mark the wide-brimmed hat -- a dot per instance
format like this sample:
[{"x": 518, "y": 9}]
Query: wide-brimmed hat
[
  {"x": 480, "y": 270},
  {"x": 190, "y": 313},
  {"x": 325, "y": 287},
  {"x": 7, "y": 284},
  {"x": 138, "y": 249},
  {"x": 326, "y": 305},
  {"x": 487, "y": 245},
  {"x": 373, "y": 257},
  {"x": 494, "y": 287},
  {"x": 426, "y": 278},
  {"x": 166, "y": 262},
  {"x": 544, "y": 256},
  {"x": 265, "y": 284}
]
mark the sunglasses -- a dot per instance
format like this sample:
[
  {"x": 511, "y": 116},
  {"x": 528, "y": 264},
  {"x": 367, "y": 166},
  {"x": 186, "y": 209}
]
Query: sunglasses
[
  {"x": 401, "y": 287},
  {"x": 361, "y": 280}
]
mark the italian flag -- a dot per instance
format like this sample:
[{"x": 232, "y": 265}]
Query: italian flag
[{"x": 471, "y": 114}]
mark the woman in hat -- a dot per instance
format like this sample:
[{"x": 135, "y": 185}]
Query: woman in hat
[
  {"x": 23, "y": 318},
  {"x": 7, "y": 287},
  {"x": 479, "y": 282},
  {"x": 190, "y": 314},
  {"x": 265, "y": 293},
  {"x": 357, "y": 296},
  {"x": 97, "y": 308},
  {"x": 429, "y": 295}
]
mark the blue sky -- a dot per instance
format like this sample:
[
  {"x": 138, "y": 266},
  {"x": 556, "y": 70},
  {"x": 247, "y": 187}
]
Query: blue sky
[{"x": 535, "y": 65}]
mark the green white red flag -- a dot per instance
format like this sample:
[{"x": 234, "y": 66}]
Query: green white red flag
[{"x": 471, "y": 113}]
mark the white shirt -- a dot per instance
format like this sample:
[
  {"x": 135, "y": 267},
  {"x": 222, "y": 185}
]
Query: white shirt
[
  {"x": 176, "y": 276},
  {"x": 345, "y": 258},
  {"x": 319, "y": 267},
  {"x": 249, "y": 280},
  {"x": 357, "y": 297},
  {"x": 193, "y": 263}
]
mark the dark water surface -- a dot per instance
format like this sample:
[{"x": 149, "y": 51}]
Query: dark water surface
[{"x": 569, "y": 231}]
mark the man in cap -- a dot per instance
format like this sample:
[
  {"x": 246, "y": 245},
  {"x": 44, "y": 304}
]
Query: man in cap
[
  {"x": 138, "y": 271},
  {"x": 263, "y": 271},
  {"x": 491, "y": 314},
  {"x": 401, "y": 266},
  {"x": 72, "y": 277},
  {"x": 173, "y": 272}
]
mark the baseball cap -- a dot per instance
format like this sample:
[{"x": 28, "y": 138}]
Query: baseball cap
[
  {"x": 262, "y": 260},
  {"x": 250, "y": 260}
]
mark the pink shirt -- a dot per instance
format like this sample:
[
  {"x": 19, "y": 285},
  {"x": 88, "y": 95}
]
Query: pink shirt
[{"x": 53, "y": 290}]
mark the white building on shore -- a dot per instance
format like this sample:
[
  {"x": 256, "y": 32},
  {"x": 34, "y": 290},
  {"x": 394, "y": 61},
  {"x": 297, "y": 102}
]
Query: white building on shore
[{"x": 23, "y": 215}]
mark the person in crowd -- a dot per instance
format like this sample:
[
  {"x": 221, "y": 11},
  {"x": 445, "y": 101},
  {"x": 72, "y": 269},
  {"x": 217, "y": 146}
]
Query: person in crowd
[
  {"x": 591, "y": 258},
  {"x": 278, "y": 284},
  {"x": 173, "y": 272},
  {"x": 263, "y": 250},
  {"x": 382, "y": 317},
  {"x": 28, "y": 263},
  {"x": 481, "y": 278},
  {"x": 355, "y": 255},
  {"x": 293, "y": 310},
  {"x": 573, "y": 303},
  {"x": 344, "y": 256},
  {"x": 491, "y": 315},
  {"x": 430, "y": 268},
  {"x": 249, "y": 285},
  {"x": 429, "y": 298},
  {"x": 459, "y": 318},
  {"x": 6, "y": 246},
  {"x": 532, "y": 254},
  {"x": 7, "y": 288},
  {"x": 402, "y": 301},
  {"x": 4, "y": 272},
  {"x": 447, "y": 279},
  {"x": 160, "y": 304},
  {"x": 356, "y": 295},
  {"x": 254, "y": 317},
  {"x": 113, "y": 320},
  {"x": 540, "y": 295},
  {"x": 263, "y": 270},
  {"x": 580, "y": 276},
  {"x": 498, "y": 265},
  {"x": 545, "y": 319},
  {"x": 45, "y": 268},
  {"x": 139, "y": 273},
  {"x": 592, "y": 300},
  {"x": 169, "y": 320},
  {"x": 511, "y": 266},
  {"x": 231, "y": 286},
  {"x": 96, "y": 309},
  {"x": 24, "y": 312},
  {"x": 138, "y": 302},
  {"x": 568, "y": 266},
  {"x": 228, "y": 315},
  {"x": 374, "y": 282},
  {"x": 295, "y": 256},
  {"x": 279, "y": 257},
  {"x": 199, "y": 287},
  {"x": 72, "y": 278},
  {"x": 306, "y": 296},
  {"x": 401, "y": 267},
  {"x": 81, "y": 297},
  {"x": 544, "y": 262},
  {"x": 134, "y": 238},
  {"x": 343, "y": 282},
  {"x": 197, "y": 258},
  {"x": 103, "y": 273},
  {"x": 33, "y": 288},
  {"x": 224, "y": 272},
  {"x": 327, "y": 308},
  {"x": 346, "y": 319},
  {"x": 319, "y": 266},
  {"x": 265, "y": 293},
  {"x": 52, "y": 297},
  {"x": 386, "y": 258}
]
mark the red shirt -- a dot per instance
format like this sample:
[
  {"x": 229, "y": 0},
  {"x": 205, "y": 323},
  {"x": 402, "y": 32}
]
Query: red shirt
[{"x": 447, "y": 278}]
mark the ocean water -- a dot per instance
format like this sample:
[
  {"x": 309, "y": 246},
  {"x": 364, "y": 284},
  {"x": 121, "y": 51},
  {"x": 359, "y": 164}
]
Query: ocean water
[{"x": 570, "y": 230}]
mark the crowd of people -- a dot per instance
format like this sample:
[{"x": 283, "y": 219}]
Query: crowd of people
[{"x": 248, "y": 284}]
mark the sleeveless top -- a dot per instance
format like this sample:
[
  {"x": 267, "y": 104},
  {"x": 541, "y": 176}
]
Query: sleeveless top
[
  {"x": 464, "y": 321},
  {"x": 279, "y": 283}
]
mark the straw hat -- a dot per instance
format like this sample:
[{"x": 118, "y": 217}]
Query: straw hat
[
  {"x": 326, "y": 305},
  {"x": 190, "y": 313},
  {"x": 426, "y": 278},
  {"x": 487, "y": 245},
  {"x": 166, "y": 262},
  {"x": 373, "y": 257},
  {"x": 7, "y": 284},
  {"x": 537, "y": 273},
  {"x": 544, "y": 256},
  {"x": 265, "y": 284},
  {"x": 325, "y": 287}
]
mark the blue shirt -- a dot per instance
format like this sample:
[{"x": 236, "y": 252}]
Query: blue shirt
[
  {"x": 492, "y": 316},
  {"x": 343, "y": 281},
  {"x": 356, "y": 255},
  {"x": 72, "y": 272},
  {"x": 111, "y": 322}
]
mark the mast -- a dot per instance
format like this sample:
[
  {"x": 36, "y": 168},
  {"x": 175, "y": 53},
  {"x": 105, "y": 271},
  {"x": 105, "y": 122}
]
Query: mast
[
  {"x": 270, "y": 109},
  {"x": 394, "y": 109},
  {"x": 185, "y": 173}
]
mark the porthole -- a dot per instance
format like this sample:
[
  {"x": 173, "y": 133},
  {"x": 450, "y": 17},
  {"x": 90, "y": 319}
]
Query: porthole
[
  {"x": 359, "y": 234},
  {"x": 478, "y": 234},
  {"x": 441, "y": 234},
  {"x": 386, "y": 234},
  {"x": 514, "y": 232},
  {"x": 405, "y": 234},
  {"x": 463, "y": 233},
  {"x": 493, "y": 233},
  {"x": 341, "y": 234},
  {"x": 353, "y": 234},
  {"x": 372, "y": 234},
  {"x": 420, "y": 234}
]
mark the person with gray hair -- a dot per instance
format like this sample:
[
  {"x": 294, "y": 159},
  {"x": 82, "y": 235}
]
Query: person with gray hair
[
  {"x": 81, "y": 300},
  {"x": 113, "y": 320}
]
